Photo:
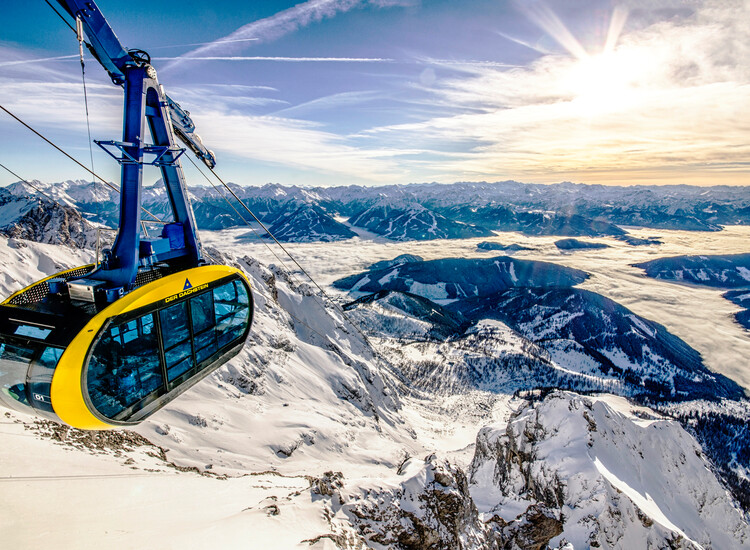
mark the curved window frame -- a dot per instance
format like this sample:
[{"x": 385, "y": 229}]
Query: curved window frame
[{"x": 171, "y": 388}]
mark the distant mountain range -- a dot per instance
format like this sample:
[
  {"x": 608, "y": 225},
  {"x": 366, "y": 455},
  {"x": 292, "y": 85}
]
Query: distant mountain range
[{"x": 430, "y": 210}]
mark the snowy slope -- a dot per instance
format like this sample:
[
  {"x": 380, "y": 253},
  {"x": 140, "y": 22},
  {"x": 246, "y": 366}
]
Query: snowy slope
[
  {"x": 594, "y": 334},
  {"x": 729, "y": 271},
  {"x": 616, "y": 474},
  {"x": 308, "y": 395},
  {"x": 37, "y": 218}
]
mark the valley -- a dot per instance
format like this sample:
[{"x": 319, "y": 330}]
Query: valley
[{"x": 341, "y": 437}]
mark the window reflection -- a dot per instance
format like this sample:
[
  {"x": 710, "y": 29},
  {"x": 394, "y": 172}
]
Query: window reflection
[
  {"x": 232, "y": 311},
  {"x": 124, "y": 366},
  {"x": 40, "y": 378},
  {"x": 14, "y": 361},
  {"x": 176, "y": 336},
  {"x": 126, "y": 371},
  {"x": 204, "y": 326}
]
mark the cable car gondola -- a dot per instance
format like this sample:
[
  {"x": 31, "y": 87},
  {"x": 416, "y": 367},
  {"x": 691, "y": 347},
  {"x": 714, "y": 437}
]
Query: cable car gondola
[{"x": 106, "y": 345}]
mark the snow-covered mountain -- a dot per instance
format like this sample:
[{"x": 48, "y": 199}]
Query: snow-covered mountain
[
  {"x": 402, "y": 221},
  {"x": 502, "y": 217},
  {"x": 730, "y": 271},
  {"x": 39, "y": 219},
  {"x": 589, "y": 343},
  {"x": 68, "y": 192},
  {"x": 587, "y": 332},
  {"x": 583, "y": 331},
  {"x": 616, "y": 475},
  {"x": 309, "y": 223},
  {"x": 459, "y": 210},
  {"x": 452, "y": 278},
  {"x": 419, "y": 432}
]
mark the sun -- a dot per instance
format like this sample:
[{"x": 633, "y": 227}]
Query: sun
[{"x": 606, "y": 82}]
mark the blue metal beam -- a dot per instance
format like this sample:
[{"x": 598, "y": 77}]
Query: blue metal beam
[{"x": 146, "y": 104}]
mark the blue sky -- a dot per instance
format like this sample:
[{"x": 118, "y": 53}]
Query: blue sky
[{"x": 331, "y": 92}]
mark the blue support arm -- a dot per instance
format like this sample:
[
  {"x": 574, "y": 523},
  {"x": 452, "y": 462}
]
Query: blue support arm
[
  {"x": 146, "y": 105},
  {"x": 115, "y": 58}
]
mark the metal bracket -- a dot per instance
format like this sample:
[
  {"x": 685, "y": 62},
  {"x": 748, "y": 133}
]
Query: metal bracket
[{"x": 158, "y": 150}]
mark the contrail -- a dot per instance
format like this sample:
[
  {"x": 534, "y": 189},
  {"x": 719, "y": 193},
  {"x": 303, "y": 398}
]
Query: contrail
[
  {"x": 529, "y": 45},
  {"x": 39, "y": 60},
  {"x": 289, "y": 59},
  {"x": 277, "y": 25}
]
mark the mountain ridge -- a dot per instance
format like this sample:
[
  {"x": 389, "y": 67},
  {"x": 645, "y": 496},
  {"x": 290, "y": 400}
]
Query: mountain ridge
[{"x": 457, "y": 210}]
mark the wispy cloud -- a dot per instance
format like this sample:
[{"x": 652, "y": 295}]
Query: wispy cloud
[
  {"x": 281, "y": 23},
  {"x": 666, "y": 103},
  {"x": 36, "y": 60},
  {"x": 61, "y": 105},
  {"x": 299, "y": 144},
  {"x": 55, "y": 106}
]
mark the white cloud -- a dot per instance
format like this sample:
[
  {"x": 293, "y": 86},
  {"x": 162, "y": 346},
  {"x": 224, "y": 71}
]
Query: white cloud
[
  {"x": 298, "y": 144},
  {"x": 669, "y": 101},
  {"x": 283, "y": 22},
  {"x": 61, "y": 105}
]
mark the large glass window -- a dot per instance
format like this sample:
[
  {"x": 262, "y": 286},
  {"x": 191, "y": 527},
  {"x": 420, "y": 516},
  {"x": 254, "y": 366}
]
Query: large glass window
[
  {"x": 175, "y": 331},
  {"x": 232, "y": 311},
  {"x": 204, "y": 326},
  {"x": 124, "y": 366}
]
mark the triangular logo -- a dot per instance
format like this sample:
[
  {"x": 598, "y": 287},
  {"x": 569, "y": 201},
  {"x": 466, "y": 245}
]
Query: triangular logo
[{"x": 187, "y": 285}]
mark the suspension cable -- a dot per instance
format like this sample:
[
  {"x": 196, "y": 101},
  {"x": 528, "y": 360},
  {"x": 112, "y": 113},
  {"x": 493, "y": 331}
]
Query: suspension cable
[
  {"x": 79, "y": 35},
  {"x": 104, "y": 181},
  {"x": 335, "y": 305},
  {"x": 271, "y": 250},
  {"x": 41, "y": 192},
  {"x": 60, "y": 16}
]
